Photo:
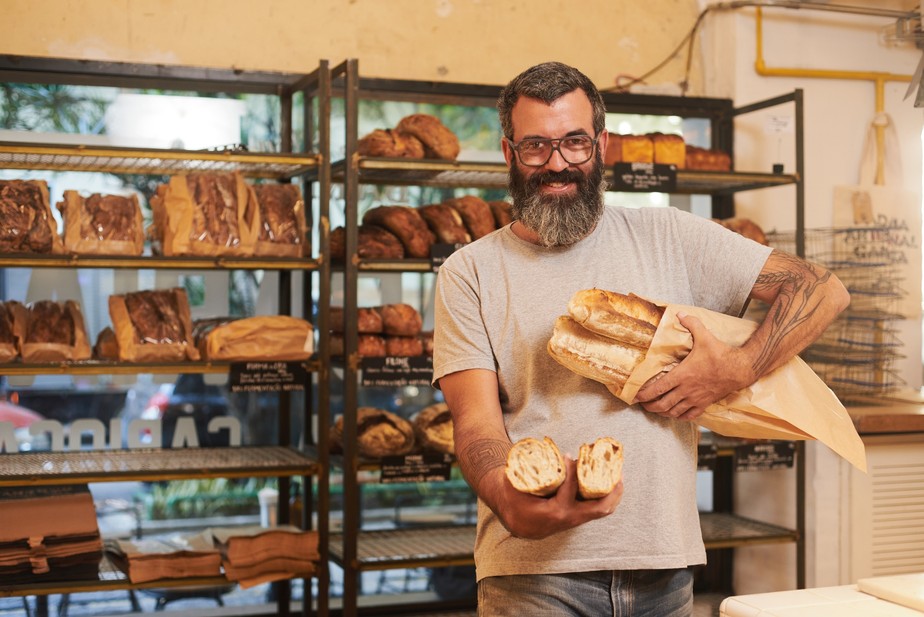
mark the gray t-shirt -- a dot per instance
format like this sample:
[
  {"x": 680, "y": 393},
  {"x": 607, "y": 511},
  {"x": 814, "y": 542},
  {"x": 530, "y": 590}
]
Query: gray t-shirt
[{"x": 496, "y": 302}]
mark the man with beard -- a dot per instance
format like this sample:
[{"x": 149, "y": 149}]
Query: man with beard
[{"x": 497, "y": 299}]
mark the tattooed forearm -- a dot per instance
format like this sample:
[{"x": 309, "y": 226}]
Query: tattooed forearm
[
  {"x": 481, "y": 457},
  {"x": 795, "y": 284}
]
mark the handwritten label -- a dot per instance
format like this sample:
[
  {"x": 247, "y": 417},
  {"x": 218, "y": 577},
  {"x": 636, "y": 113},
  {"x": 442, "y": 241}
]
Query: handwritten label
[
  {"x": 764, "y": 456},
  {"x": 425, "y": 467},
  {"x": 644, "y": 177},
  {"x": 267, "y": 376},
  {"x": 397, "y": 371}
]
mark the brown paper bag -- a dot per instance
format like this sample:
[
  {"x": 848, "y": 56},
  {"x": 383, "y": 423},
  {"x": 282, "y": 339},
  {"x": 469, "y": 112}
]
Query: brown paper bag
[
  {"x": 189, "y": 228},
  {"x": 119, "y": 233},
  {"x": 131, "y": 344},
  {"x": 790, "y": 403},
  {"x": 54, "y": 351},
  {"x": 277, "y": 337},
  {"x": 280, "y": 224}
]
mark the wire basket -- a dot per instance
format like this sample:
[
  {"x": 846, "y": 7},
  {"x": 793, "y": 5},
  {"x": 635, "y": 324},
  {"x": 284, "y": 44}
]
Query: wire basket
[{"x": 856, "y": 355}]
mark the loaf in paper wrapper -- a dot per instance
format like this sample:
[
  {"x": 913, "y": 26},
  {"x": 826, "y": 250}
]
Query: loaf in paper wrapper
[{"x": 791, "y": 403}]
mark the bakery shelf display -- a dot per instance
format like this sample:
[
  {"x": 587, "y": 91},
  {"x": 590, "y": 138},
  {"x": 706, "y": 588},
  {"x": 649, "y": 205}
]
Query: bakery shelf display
[
  {"x": 153, "y": 162},
  {"x": 271, "y": 231},
  {"x": 357, "y": 549}
]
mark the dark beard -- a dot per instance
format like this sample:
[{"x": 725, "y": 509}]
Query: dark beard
[{"x": 558, "y": 220}]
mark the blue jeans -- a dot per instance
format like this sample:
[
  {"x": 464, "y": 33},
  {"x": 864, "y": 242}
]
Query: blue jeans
[{"x": 605, "y": 593}]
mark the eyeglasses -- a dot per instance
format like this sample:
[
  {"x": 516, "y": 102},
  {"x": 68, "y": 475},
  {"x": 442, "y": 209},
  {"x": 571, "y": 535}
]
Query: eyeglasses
[{"x": 576, "y": 149}]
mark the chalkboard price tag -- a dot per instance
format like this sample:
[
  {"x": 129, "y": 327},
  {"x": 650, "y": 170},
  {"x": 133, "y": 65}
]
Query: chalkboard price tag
[
  {"x": 267, "y": 376},
  {"x": 763, "y": 456},
  {"x": 439, "y": 252},
  {"x": 425, "y": 467},
  {"x": 397, "y": 371},
  {"x": 708, "y": 455},
  {"x": 644, "y": 177}
]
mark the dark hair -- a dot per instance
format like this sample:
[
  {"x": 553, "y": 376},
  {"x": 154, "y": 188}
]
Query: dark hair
[{"x": 548, "y": 82}]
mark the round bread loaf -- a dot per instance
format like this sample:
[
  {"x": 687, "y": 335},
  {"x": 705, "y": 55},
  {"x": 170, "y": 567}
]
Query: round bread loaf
[
  {"x": 535, "y": 467},
  {"x": 402, "y": 346},
  {"x": 745, "y": 227},
  {"x": 439, "y": 142},
  {"x": 599, "y": 468},
  {"x": 368, "y": 345},
  {"x": 400, "y": 320},
  {"x": 475, "y": 213},
  {"x": 405, "y": 223},
  {"x": 373, "y": 242},
  {"x": 379, "y": 433},
  {"x": 433, "y": 428},
  {"x": 389, "y": 143},
  {"x": 502, "y": 213},
  {"x": 368, "y": 320},
  {"x": 446, "y": 223}
]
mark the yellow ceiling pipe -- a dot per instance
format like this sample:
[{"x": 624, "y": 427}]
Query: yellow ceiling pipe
[{"x": 879, "y": 80}]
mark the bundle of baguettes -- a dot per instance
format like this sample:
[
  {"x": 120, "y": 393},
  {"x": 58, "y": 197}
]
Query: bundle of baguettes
[{"x": 605, "y": 335}]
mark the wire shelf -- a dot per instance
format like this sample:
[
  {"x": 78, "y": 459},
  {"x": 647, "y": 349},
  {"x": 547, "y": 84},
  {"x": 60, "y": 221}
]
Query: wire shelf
[{"x": 855, "y": 356}]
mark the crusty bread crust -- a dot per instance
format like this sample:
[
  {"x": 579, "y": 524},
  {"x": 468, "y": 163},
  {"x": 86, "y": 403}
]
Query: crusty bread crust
[
  {"x": 599, "y": 467},
  {"x": 628, "y": 319},
  {"x": 535, "y": 467},
  {"x": 590, "y": 355}
]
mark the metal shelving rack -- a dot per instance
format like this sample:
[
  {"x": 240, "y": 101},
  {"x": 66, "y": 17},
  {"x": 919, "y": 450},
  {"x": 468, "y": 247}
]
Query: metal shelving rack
[
  {"x": 357, "y": 550},
  {"x": 283, "y": 461}
]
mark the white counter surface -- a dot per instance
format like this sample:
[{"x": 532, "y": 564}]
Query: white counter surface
[{"x": 843, "y": 601}]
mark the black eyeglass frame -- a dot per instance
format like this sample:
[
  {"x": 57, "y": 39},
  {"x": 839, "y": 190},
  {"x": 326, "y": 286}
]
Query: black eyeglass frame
[{"x": 554, "y": 146}]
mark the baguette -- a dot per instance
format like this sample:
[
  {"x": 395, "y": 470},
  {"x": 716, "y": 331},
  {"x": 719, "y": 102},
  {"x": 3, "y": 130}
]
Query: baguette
[
  {"x": 591, "y": 355},
  {"x": 535, "y": 467},
  {"x": 599, "y": 468},
  {"x": 629, "y": 319}
]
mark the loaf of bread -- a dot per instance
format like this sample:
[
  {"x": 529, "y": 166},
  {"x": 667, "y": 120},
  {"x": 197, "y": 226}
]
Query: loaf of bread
[
  {"x": 599, "y": 467},
  {"x": 368, "y": 345},
  {"x": 373, "y": 242},
  {"x": 378, "y": 433},
  {"x": 102, "y": 224},
  {"x": 636, "y": 149},
  {"x": 704, "y": 159},
  {"x": 591, "y": 355},
  {"x": 26, "y": 222},
  {"x": 282, "y": 228},
  {"x": 475, "y": 213},
  {"x": 153, "y": 325},
  {"x": 54, "y": 331},
  {"x": 502, "y": 212},
  {"x": 390, "y": 143},
  {"x": 446, "y": 223},
  {"x": 205, "y": 214},
  {"x": 405, "y": 223},
  {"x": 368, "y": 320},
  {"x": 399, "y": 319},
  {"x": 626, "y": 318},
  {"x": 669, "y": 149},
  {"x": 613, "y": 152},
  {"x": 107, "y": 346},
  {"x": 263, "y": 337},
  {"x": 605, "y": 336},
  {"x": 9, "y": 339},
  {"x": 438, "y": 141},
  {"x": 403, "y": 346},
  {"x": 745, "y": 227},
  {"x": 433, "y": 429},
  {"x": 535, "y": 467}
]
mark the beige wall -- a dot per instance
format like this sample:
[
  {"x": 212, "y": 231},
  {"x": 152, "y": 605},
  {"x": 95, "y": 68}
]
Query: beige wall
[{"x": 471, "y": 41}]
